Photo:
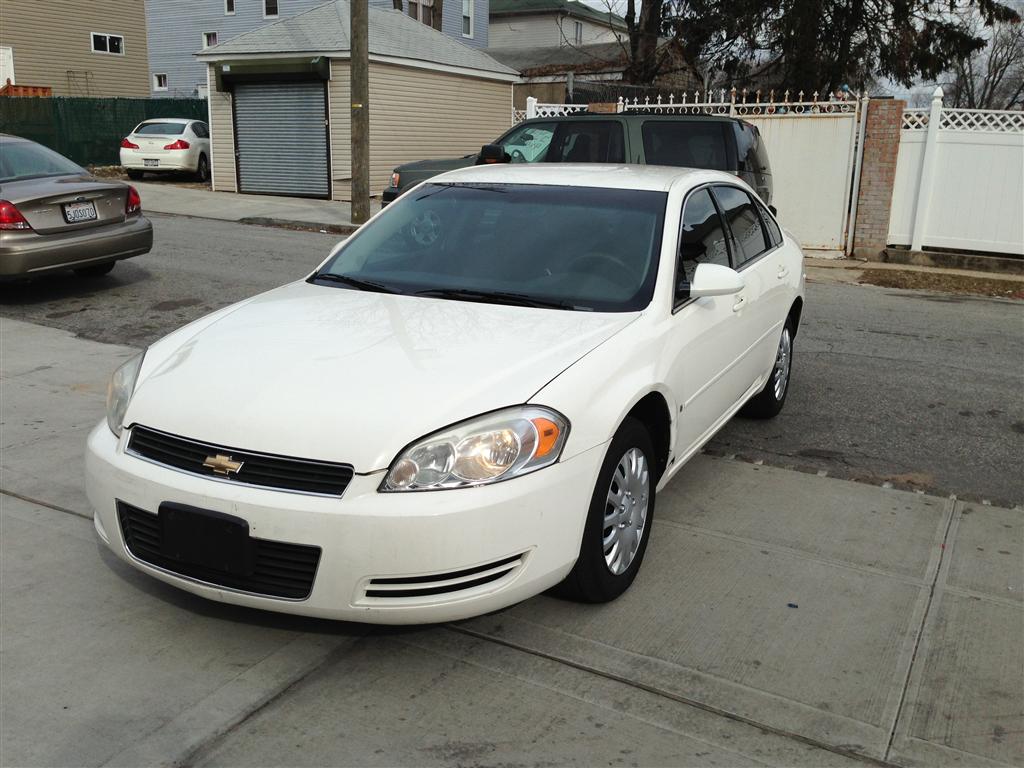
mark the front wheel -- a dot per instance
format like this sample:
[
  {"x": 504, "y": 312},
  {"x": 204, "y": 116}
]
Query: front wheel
[
  {"x": 769, "y": 401},
  {"x": 618, "y": 522}
]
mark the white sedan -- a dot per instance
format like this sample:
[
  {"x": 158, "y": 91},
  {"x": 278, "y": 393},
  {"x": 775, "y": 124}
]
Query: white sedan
[
  {"x": 475, "y": 398},
  {"x": 167, "y": 144}
]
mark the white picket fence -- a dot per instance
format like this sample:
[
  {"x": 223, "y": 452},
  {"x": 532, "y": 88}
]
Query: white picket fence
[{"x": 959, "y": 180}]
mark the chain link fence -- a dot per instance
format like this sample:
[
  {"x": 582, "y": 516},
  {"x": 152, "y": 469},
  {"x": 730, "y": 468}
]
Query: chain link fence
[{"x": 88, "y": 130}]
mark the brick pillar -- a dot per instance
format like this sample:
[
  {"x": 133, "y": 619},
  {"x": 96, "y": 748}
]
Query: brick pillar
[{"x": 877, "y": 176}]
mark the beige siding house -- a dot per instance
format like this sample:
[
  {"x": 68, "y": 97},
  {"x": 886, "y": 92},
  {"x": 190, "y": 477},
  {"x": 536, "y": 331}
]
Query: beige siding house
[
  {"x": 76, "y": 47},
  {"x": 280, "y": 107}
]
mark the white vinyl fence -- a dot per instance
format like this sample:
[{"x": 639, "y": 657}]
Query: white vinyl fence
[
  {"x": 811, "y": 143},
  {"x": 959, "y": 180}
]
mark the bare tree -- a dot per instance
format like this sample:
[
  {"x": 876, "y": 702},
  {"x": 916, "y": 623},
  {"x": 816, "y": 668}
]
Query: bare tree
[{"x": 993, "y": 77}]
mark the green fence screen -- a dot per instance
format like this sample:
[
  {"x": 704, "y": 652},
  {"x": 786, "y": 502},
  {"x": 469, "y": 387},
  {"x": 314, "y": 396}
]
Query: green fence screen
[{"x": 88, "y": 131}]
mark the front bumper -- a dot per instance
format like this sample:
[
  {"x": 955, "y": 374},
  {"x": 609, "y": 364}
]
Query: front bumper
[
  {"x": 368, "y": 535},
  {"x": 26, "y": 252},
  {"x": 389, "y": 195}
]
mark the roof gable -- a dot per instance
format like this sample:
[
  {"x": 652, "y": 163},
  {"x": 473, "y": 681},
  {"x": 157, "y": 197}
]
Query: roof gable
[
  {"x": 572, "y": 8},
  {"x": 325, "y": 29}
]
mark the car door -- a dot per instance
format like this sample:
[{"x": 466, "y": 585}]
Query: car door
[
  {"x": 705, "y": 339},
  {"x": 759, "y": 321},
  {"x": 202, "y": 133}
]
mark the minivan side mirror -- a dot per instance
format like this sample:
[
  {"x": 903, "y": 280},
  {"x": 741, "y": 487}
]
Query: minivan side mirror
[
  {"x": 715, "y": 280},
  {"x": 493, "y": 153}
]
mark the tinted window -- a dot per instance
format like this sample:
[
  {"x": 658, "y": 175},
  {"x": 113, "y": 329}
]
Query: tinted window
[
  {"x": 529, "y": 143},
  {"x": 199, "y": 129},
  {"x": 25, "y": 160},
  {"x": 587, "y": 142},
  {"x": 771, "y": 226},
  {"x": 750, "y": 155},
  {"x": 161, "y": 129},
  {"x": 686, "y": 143},
  {"x": 701, "y": 240},
  {"x": 590, "y": 248},
  {"x": 741, "y": 215}
]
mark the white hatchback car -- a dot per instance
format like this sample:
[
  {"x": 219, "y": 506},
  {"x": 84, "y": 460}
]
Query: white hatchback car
[
  {"x": 473, "y": 399},
  {"x": 165, "y": 145}
]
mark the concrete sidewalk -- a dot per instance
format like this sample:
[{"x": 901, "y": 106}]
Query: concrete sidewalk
[
  {"x": 781, "y": 618},
  {"x": 328, "y": 215}
]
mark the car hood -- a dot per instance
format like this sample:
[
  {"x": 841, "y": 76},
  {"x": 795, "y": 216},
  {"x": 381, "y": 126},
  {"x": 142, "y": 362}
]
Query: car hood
[
  {"x": 348, "y": 376},
  {"x": 437, "y": 166}
]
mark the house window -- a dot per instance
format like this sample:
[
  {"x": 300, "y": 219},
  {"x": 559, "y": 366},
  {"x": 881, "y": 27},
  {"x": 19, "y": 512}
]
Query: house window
[
  {"x": 209, "y": 39},
  {"x": 577, "y": 32},
  {"x": 229, "y": 7},
  {"x": 104, "y": 43},
  {"x": 270, "y": 9},
  {"x": 159, "y": 82},
  {"x": 422, "y": 10},
  {"x": 467, "y": 18}
]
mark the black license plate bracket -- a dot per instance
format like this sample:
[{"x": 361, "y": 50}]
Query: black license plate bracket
[{"x": 204, "y": 538}]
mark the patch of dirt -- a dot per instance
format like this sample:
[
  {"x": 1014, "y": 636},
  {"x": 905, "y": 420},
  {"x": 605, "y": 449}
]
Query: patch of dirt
[
  {"x": 943, "y": 282},
  {"x": 186, "y": 180}
]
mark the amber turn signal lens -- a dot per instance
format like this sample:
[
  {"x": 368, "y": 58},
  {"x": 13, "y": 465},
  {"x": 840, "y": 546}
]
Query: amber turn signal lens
[{"x": 547, "y": 436}]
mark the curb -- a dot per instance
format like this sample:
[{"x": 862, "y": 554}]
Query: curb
[{"x": 946, "y": 260}]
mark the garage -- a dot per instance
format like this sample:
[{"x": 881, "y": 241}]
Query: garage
[
  {"x": 281, "y": 138},
  {"x": 280, "y": 111}
]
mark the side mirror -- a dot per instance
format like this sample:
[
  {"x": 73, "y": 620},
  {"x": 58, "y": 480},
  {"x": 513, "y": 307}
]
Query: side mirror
[
  {"x": 774, "y": 210},
  {"x": 715, "y": 280},
  {"x": 493, "y": 153}
]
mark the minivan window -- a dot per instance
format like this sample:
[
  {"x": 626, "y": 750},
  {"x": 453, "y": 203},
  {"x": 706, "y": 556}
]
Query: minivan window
[
  {"x": 741, "y": 215},
  {"x": 701, "y": 240},
  {"x": 529, "y": 143},
  {"x": 686, "y": 143},
  {"x": 587, "y": 141},
  {"x": 579, "y": 248},
  {"x": 748, "y": 149}
]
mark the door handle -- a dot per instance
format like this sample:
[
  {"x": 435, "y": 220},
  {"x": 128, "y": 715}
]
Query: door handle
[
  {"x": 782, "y": 273},
  {"x": 741, "y": 301}
]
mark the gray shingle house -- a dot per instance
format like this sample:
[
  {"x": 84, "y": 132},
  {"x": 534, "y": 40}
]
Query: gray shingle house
[
  {"x": 280, "y": 107},
  {"x": 178, "y": 28}
]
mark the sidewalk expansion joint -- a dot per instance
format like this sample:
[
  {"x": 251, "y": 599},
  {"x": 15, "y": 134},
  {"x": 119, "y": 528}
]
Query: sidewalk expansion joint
[
  {"x": 943, "y": 550},
  {"x": 686, "y": 701},
  {"x": 48, "y": 505}
]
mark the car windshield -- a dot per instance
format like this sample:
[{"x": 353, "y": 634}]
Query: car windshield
[
  {"x": 161, "y": 129},
  {"x": 577, "y": 248},
  {"x": 27, "y": 160}
]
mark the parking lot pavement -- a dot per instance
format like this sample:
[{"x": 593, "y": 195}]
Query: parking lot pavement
[{"x": 780, "y": 618}]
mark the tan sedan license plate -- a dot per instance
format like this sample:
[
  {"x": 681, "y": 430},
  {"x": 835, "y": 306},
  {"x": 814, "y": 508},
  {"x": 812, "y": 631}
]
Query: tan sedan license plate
[{"x": 76, "y": 212}]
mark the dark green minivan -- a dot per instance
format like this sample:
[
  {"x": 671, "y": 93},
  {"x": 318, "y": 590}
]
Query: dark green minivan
[{"x": 717, "y": 142}]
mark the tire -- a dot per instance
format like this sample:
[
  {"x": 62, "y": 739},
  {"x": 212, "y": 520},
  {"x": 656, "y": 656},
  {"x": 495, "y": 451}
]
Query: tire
[
  {"x": 96, "y": 270},
  {"x": 203, "y": 169},
  {"x": 600, "y": 576},
  {"x": 767, "y": 403},
  {"x": 134, "y": 175}
]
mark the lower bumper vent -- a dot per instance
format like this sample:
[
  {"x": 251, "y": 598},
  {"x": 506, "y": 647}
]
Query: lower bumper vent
[{"x": 444, "y": 583}]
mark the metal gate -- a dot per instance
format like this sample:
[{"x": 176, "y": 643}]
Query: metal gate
[{"x": 281, "y": 139}]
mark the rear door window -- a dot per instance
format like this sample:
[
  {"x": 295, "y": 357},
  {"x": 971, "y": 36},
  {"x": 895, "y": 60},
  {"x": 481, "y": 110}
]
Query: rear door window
[
  {"x": 771, "y": 227},
  {"x": 587, "y": 141},
  {"x": 687, "y": 143},
  {"x": 743, "y": 220},
  {"x": 199, "y": 129},
  {"x": 702, "y": 240}
]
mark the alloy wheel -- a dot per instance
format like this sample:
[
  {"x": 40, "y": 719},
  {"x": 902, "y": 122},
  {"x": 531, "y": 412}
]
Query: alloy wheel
[{"x": 783, "y": 360}]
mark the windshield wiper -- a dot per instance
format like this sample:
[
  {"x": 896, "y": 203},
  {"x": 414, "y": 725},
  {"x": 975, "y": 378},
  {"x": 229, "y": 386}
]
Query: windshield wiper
[
  {"x": 496, "y": 297},
  {"x": 355, "y": 282}
]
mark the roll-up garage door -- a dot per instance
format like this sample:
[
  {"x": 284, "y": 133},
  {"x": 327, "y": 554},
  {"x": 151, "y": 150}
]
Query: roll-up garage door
[{"x": 281, "y": 139}]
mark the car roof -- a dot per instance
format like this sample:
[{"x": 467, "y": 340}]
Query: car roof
[
  {"x": 649, "y": 177},
  {"x": 640, "y": 114},
  {"x": 171, "y": 120}
]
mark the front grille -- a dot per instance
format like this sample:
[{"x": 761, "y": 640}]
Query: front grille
[
  {"x": 268, "y": 471},
  {"x": 278, "y": 569},
  {"x": 443, "y": 583}
]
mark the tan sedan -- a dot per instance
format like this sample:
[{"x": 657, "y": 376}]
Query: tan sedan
[{"x": 54, "y": 215}]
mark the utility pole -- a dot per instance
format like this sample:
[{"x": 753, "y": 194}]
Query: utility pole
[{"x": 359, "y": 86}]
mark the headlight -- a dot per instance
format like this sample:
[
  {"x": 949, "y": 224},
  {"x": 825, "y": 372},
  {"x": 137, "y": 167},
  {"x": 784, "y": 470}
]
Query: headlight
[
  {"x": 119, "y": 392},
  {"x": 498, "y": 446}
]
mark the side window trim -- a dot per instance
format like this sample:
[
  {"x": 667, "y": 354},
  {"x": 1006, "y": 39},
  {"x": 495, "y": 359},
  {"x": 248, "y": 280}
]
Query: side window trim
[
  {"x": 731, "y": 238},
  {"x": 678, "y": 304}
]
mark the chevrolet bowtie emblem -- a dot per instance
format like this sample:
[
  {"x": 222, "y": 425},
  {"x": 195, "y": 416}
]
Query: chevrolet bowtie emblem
[{"x": 223, "y": 465}]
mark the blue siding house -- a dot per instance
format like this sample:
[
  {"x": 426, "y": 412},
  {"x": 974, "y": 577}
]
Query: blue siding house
[{"x": 177, "y": 29}]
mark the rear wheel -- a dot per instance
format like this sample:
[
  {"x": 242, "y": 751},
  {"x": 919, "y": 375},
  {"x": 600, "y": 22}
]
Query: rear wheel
[
  {"x": 769, "y": 401},
  {"x": 134, "y": 175},
  {"x": 96, "y": 270},
  {"x": 203, "y": 169},
  {"x": 618, "y": 522}
]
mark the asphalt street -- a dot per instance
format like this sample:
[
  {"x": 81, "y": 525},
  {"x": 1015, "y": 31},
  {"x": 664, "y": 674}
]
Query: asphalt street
[{"x": 919, "y": 390}]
